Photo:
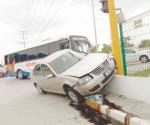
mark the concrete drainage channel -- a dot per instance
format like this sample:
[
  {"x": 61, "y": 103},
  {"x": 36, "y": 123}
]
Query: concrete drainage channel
[{"x": 102, "y": 112}]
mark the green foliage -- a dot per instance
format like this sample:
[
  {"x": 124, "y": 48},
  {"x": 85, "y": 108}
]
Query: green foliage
[
  {"x": 144, "y": 43},
  {"x": 106, "y": 48},
  {"x": 145, "y": 73},
  {"x": 93, "y": 49}
]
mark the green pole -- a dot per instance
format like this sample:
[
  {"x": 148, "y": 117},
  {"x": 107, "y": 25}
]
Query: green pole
[{"x": 123, "y": 49}]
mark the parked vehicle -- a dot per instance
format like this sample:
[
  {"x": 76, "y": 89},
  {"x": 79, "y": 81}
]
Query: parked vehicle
[
  {"x": 22, "y": 62},
  {"x": 132, "y": 55},
  {"x": 74, "y": 74},
  {"x": 3, "y": 71}
]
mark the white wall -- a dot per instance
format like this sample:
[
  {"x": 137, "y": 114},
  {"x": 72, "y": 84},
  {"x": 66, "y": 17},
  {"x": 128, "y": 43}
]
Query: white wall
[{"x": 132, "y": 87}]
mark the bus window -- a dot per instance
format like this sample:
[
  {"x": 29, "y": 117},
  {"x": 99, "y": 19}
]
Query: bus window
[
  {"x": 32, "y": 54},
  {"x": 16, "y": 57},
  {"x": 54, "y": 47},
  {"x": 23, "y": 55},
  {"x": 42, "y": 51},
  {"x": 64, "y": 45},
  {"x": 10, "y": 62}
]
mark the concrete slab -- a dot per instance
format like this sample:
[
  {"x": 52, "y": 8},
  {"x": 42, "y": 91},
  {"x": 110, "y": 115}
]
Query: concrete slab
[{"x": 136, "y": 107}]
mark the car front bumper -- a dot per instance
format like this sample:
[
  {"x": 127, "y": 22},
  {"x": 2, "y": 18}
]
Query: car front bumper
[{"x": 96, "y": 84}]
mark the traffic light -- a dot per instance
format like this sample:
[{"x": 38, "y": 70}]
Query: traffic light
[{"x": 104, "y": 6}]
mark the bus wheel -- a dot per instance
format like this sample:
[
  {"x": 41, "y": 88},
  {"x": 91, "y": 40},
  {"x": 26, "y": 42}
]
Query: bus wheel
[{"x": 20, "y": 74}]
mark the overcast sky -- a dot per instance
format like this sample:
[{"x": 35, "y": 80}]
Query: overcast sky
[{"x": 42, "y": 19}]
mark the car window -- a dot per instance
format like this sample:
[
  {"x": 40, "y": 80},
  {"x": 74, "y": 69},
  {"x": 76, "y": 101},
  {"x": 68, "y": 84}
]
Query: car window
[
  {"x": 37, "y": 71},
  {"x": 46, "y": 70},
  {"x": 64, "y": 62}
]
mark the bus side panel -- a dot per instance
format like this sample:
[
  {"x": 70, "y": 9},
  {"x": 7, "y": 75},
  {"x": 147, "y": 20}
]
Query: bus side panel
[{"x": 26, "y": 66}]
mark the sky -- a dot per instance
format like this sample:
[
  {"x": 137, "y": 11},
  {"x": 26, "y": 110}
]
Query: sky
[{"x": 52, "y": 19}]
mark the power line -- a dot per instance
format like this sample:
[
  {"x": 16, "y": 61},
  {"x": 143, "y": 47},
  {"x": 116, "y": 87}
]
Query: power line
[
  {"x": 27, "y": 11},
  {"x": 51, "y": 19},
  {"x": 33, "y": 14},
  {"x": 41, "y": 20},
  {"x": 28, "y": 14}
]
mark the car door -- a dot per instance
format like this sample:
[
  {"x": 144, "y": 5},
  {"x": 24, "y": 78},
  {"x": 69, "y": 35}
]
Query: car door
[
  {"x": 50, "y": 81},
  {"x": 37, "y": 74}
]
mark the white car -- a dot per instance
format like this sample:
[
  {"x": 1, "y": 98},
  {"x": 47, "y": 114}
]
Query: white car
[
  {"x": 132, "y": 55},
  {"x": 71, "y": 73}
]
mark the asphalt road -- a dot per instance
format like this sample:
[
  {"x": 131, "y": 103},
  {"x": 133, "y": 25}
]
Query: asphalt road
[{"x": 20, "y": 104}]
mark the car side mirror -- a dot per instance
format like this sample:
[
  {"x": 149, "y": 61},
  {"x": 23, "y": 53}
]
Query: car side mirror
[{"x": 50, "y": 76}]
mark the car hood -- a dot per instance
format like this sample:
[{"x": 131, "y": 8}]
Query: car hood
[{"x": 86, "y": 65}]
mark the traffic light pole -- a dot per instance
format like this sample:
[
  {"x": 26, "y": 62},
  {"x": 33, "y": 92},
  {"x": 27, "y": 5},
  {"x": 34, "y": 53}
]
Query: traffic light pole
[{"x": 115, "y": 36}]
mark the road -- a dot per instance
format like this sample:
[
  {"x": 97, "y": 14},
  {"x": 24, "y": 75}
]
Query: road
[
  {"x": 137, "y": 67},
  {"x": 20, "y": 104}
]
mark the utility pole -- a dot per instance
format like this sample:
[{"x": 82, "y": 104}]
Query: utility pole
[
  {"x": 23, "y": 35},
  {"x": 94, "y": 23}
]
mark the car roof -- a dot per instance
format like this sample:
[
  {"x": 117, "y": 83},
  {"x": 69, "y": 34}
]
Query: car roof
[{"x": 55, "y": 55}]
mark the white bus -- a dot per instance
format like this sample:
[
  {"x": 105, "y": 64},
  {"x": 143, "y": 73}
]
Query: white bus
[{"x": 22, "y": 62}]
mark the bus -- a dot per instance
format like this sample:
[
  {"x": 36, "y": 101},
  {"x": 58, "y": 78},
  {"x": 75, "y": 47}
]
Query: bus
[{"x": 22, "y": 62}]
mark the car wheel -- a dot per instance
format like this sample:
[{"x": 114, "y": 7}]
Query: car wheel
[
  {"x": 75, "y": 97},
  {"x": 20, "y": 74},
  {"x": 39, "y": 89},
  {"x": 144, "y": 59}
]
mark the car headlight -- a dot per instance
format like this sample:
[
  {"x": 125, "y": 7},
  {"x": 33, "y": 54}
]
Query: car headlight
[
  {"x": 112, "y": 59},
  {"x": 85, "y": 79}
]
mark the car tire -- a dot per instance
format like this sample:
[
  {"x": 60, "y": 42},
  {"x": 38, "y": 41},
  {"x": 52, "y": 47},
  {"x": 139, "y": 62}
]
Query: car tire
[
  {"x": 20, "y": 74},
  {"x": 39, "y": 89},
  {"x": 75, "y": 97},
  {"x": 144, "y": 59}
]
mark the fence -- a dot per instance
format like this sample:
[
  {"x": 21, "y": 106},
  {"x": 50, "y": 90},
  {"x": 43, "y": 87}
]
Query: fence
[{"x": 136, "y": 33}]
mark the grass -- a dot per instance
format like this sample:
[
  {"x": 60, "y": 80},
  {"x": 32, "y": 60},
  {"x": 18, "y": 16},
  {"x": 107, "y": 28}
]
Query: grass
[{"x": 145, "y": 73}]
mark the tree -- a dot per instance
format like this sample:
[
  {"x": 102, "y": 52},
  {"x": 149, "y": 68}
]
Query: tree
[
  {"x": 106, "y": 48},
  {"x": 93, "y": 49},
  {"x": 144, "y": 43}
]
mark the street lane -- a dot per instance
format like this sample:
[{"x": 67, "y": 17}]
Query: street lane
[{"x": 20, "y": 104}]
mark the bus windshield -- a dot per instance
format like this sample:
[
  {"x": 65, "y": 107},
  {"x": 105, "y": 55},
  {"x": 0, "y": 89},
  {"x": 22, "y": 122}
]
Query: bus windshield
[{"x": 80, "y": 44}]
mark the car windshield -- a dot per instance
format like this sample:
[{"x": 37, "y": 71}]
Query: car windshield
[{"x": 64, "y": 62}]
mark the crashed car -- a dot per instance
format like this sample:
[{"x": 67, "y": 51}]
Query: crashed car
[
  {"x": 2, "y": 71},
  {"x": 74, "y": 74}
]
